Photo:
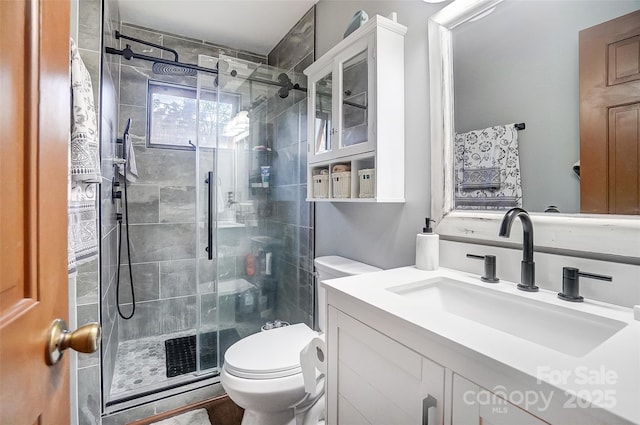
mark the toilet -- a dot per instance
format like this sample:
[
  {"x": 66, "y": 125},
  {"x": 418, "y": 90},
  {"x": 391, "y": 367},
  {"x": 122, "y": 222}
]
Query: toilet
[{"x": 262, "y": 373}]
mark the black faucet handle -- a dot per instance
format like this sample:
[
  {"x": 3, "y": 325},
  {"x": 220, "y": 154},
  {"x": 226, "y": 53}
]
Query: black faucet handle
[
  {"x": 571, "y": 283},
  {"x": 489, "y": 267}
]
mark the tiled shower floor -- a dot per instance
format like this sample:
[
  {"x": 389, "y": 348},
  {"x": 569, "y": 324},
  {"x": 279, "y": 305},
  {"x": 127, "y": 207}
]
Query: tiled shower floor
[{"x": 141, "y": 363}]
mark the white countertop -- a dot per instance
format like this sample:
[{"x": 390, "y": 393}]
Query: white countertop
[{"x": 607, "y": 377}]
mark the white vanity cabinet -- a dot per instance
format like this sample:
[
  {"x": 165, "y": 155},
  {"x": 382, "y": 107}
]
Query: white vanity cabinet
[
  {"x": 356, "y": 116},
  {"x": 397, "y": 338},
  {"x": 376, "y": 380},
  {"x": 472, "y": 404},
  {"x": 373, "y": 379}
]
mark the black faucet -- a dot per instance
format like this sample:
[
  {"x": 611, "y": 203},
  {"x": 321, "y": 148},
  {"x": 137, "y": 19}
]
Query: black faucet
[
  {"x": 571, "y": 283},
  {"x": 527, "y": 266}
]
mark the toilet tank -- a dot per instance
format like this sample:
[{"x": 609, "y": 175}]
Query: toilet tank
[{"x": 331, "y": 267}]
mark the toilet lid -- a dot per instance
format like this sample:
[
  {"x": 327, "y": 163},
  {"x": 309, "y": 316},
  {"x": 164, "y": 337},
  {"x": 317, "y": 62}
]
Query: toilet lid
[{"x": 271, "y": 354}]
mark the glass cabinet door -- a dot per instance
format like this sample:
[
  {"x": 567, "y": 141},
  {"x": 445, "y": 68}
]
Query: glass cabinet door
[
  {"x": 324, "y": 129},
  {"x": 341, "y": 94},
  {"x": 355, "y": 96}
]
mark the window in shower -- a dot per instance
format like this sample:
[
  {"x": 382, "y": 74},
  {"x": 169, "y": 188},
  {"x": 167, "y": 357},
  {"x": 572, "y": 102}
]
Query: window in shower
[{"x": 171, "y": 115}]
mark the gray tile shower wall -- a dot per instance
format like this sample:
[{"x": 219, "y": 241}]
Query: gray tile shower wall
[
  {"x": 89, "y": 399},
  {"x": 292, "y": 220}
]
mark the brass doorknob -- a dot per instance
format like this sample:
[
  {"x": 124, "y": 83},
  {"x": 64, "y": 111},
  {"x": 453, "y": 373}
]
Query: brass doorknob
[{"x": 85, "y": 339}]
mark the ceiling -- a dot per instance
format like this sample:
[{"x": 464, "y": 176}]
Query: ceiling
[{"x": 252, "y": 25}]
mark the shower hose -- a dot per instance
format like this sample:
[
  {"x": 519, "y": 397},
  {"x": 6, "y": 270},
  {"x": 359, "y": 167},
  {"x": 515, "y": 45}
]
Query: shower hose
[{"x": 125, "y": 139}]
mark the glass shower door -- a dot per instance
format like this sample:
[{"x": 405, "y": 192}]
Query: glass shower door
[
  {"x": 242, "y": 241},
  {"x": 226, "y": 222},
  {"x": 209, "y": 200},
  {"x": 244, "y": 157}
]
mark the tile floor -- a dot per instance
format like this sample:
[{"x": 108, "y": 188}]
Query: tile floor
[{"x": 141, "y": 363}]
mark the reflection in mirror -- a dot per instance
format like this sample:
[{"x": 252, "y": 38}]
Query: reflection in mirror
[
  {"x": 520, "y": 64},
  {"x": 354, "y": 105},
  {"x": 324, "y": 129},
  {"x": 610, "y": 237}
]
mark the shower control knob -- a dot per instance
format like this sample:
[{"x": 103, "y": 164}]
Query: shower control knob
[{"x": 85, "y": 339}]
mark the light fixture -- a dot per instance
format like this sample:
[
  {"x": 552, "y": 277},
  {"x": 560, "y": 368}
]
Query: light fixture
[{"x": 434, "y": 1}]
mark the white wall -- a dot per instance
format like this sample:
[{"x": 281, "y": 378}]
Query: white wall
[{"x": 384, "y": 235}]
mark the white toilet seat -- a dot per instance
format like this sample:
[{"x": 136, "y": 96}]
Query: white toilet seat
[
  {"x": 262, "y": 374},
  {"x": 269, "y": 355}
]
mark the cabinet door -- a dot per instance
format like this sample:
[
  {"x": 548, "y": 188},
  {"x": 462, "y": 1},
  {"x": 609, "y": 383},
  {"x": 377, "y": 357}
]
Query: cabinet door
[
  {"x": 474, "y": 405},
  {"x": 355, "y": 97},
  {"x": 355, "y": 94},
  {"x": 321, "y": 126},
  {"x": 373, "y": 379},
  {"x": 342, "y": 95}
]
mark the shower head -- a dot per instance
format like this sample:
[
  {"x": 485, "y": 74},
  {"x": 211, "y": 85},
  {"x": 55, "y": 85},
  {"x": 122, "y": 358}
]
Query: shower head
[{"x": 174, "y": 70}]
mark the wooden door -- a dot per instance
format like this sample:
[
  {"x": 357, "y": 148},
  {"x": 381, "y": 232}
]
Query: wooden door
[
  {"x": 34, "y": 131},
  {"x": 610, "y": 117}
]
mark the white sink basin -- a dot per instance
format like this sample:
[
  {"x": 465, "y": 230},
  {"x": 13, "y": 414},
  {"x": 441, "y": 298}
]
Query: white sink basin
[{"x": 562, "y": 329}]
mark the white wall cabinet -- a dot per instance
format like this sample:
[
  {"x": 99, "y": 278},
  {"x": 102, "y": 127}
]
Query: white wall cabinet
[
  {"x": 356, "y": 116},
  {"x": 376, "y": 380}
]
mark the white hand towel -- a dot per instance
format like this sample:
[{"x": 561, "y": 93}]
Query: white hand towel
[
  {"x": 82, "y": 225},
  {"x": 84, "y": 168},
  {"x": 132, "y": 168},
  {"x": 85, "y": 155}
]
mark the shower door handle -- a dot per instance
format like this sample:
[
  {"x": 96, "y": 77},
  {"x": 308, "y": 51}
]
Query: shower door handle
[{"x": 209, "y": 248}]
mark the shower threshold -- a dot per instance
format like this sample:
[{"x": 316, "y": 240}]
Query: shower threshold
[
  {"x": 164, "y": 389},
  {"x": 205, "y": 386}
]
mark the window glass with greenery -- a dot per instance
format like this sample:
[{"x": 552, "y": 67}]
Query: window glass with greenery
[{"x": 172, "y": 111}]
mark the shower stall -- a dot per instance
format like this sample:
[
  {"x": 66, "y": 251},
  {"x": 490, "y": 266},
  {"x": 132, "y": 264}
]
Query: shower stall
[{"x": 215, "y": 212}]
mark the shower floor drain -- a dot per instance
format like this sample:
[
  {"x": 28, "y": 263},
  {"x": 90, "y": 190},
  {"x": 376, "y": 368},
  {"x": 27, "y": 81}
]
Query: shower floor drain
[{"x": 181, "y": 352}]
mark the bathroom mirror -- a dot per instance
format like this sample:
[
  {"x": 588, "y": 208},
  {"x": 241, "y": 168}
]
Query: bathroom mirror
[
  {"x": 597, "y": 236},
  {"x": 531, "y": 77}
]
